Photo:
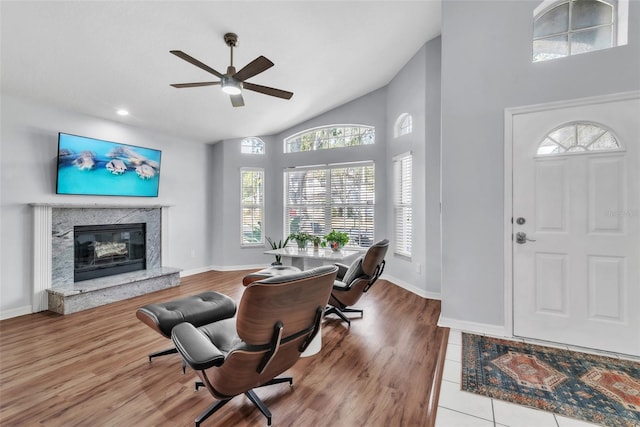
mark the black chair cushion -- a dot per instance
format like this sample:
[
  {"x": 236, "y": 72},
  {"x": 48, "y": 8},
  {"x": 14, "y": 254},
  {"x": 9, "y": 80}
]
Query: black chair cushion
[
  {"x": 354, "y": 271},
  {"x": 200, "y": 309}
]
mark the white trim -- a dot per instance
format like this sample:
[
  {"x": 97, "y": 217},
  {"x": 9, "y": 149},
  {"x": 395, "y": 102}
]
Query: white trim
[
  {"x": 42, "y": 251},
  {"x": 509, "y": 114},
  {"x": 15, "y": 312},
  {"x": 411, "y": 288},
  {"x": 476, "y": 328}
]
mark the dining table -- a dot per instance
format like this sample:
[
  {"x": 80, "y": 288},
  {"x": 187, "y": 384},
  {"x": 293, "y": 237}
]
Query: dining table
[{"x": 308, "y": 257}]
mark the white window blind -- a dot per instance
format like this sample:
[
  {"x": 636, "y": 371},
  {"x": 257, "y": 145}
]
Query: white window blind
[
  {"x": 252, "y": 206},
  {"x": 402, "y": 169},
  {"x": 333, "y": 197}
]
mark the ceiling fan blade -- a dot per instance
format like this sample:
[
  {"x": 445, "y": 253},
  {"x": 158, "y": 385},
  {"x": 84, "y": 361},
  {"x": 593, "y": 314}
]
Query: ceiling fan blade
[
  {"x": 237, "y": 100},
  {"x": 194, "y": 61},
  {"x": 181, "y": 85},
  {"x": 268, "y": 90},
  {"x": 254, "y": 67}
]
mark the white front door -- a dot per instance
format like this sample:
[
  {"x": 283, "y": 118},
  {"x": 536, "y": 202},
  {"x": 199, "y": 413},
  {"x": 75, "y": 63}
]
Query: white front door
[{"x": 576, "y": 268}]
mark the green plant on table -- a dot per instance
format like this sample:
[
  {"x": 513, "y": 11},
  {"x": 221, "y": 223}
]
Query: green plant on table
[
  {"x": 278, "y": 245},
  {"x": 336, "y": 239},
  {"x": 301, "y": 239}
]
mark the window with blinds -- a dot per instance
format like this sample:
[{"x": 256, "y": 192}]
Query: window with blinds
[
  {"x": 252, "y": 206},
  {"x": 332, "y": 197},
  {"x": 402, "y": 170}
]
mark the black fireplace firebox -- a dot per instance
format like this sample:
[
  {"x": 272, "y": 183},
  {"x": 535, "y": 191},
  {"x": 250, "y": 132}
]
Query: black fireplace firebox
[{"x": 105, "y": 250}]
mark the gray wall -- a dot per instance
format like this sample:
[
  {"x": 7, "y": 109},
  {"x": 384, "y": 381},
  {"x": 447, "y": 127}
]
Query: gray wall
[
  {"x": 416, "y": 90},
  {"x": 486, "y": 67},
  {"x": 28, "y": 151}
]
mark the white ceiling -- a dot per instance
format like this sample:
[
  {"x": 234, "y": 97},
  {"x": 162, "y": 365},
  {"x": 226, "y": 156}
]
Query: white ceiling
[{"x": 98, "y": 56}]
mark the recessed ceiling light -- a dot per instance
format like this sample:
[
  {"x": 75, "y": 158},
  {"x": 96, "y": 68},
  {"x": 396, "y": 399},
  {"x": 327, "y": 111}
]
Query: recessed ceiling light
[{"x": 122, "y": 112}]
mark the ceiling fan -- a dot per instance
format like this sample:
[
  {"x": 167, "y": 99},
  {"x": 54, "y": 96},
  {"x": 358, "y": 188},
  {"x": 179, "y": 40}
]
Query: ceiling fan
[{"x": 234, "y": 81}]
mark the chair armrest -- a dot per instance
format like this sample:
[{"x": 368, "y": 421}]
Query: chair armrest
[
  {"x": 196, "y": 349},
  {"x": 342, "y": 270}
]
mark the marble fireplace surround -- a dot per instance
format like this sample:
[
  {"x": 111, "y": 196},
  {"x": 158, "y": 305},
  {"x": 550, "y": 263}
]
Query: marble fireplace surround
[{"x": 53, "y": 285}]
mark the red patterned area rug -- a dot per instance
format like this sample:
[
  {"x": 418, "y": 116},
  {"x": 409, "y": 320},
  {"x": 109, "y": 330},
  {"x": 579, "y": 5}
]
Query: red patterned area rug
[{"x": 592, "y": 388}]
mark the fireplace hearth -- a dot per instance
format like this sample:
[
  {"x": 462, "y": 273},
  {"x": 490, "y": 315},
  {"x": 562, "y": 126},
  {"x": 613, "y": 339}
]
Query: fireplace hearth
[{"x": 105, "y": 250}]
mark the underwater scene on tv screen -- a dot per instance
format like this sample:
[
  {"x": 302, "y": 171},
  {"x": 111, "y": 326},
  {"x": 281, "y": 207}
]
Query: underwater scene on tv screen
[{"x": 94, "y": 167}]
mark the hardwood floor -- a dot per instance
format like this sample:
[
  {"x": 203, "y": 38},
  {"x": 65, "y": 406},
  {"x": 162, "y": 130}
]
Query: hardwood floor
[{"x": 91, "y": 368}]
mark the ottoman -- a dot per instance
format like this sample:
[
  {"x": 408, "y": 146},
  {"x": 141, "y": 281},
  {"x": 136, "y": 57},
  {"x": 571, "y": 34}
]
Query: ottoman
[
  {"x": 200, "y": 309},
  {"x": 275, "y": 270}
]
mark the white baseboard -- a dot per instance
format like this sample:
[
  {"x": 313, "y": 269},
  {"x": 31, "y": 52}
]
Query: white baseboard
[
  {"x": 474, "y": 327},
  {"x": 15, "y": 312},
  {"x": 411, "y": 288}
]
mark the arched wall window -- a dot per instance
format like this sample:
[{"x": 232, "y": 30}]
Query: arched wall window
[
  {"x": 327, "y": 137},
  {"x": 403, "y": 125},
  {"x": 252, "y": 145},
  {"x": 570, "y": 27},
  {"x": 578, "y": 138}
]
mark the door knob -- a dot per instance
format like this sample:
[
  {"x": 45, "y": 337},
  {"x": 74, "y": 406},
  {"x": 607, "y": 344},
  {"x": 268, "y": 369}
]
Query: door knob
[{"x": 522, "y": 238}]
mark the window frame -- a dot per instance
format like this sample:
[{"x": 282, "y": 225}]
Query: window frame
[
  {"x": 327, "y": 207},
  {"x": 255, "y": 142},
  {"x": 364, "y": 130},
  {"x": 575, "y": 124},
  {"x": 401, "y": 205},
  {"x": 400, "y": 127},
  {"x": 260, "y": 205},
  {"x": 618, "y": 25}
]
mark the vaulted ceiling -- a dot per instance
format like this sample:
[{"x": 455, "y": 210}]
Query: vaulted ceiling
[{"x": 95, "y": 57}]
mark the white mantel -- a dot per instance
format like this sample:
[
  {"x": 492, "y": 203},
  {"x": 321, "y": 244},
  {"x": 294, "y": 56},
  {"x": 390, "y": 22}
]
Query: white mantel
[{"x": 42, "y": 236}]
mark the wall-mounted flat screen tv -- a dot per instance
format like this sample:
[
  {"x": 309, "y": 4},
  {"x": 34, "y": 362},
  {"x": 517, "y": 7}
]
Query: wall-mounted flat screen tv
[{"x": 91, "y": 166}]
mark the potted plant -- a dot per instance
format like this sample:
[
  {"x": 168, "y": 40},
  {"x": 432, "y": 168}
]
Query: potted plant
[
  {"x": 278, "y": 245},
  {"x": 336, "y": 239},
  {"x": 301, "y": 239},
  {"x": 316, "y": 242}
]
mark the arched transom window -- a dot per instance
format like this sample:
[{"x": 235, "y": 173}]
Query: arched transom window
[
  {"x": 403, "y": 126},
  {"x": 578, "y": 138},
  {"x": 252, "y": 145},
  {"x": 569, "y": 27},
  {"x": 327, "y": 137}
]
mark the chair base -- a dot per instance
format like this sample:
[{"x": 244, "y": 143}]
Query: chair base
[
  {"x": 250, "y": 394},
  {"x": 340, "y": 312},
  {"x": 166, "y": 352},
  {"x": 162, "y": 353}
]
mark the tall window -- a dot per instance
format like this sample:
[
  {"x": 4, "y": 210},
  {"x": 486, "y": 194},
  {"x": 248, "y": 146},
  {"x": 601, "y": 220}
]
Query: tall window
[
  {"x": 403, "y": 126},
  {"x": 252, "y": 206},
  {"x": 402, "y": 200},
  {"x": 252, "y": 145},
  {"x": 334, "y": 136},
  {"x": 570, "y": 27},
  {"x": 340, "y": 197}
]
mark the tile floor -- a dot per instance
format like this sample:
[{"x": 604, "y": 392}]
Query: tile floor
[{"x": 458, "y": 408}]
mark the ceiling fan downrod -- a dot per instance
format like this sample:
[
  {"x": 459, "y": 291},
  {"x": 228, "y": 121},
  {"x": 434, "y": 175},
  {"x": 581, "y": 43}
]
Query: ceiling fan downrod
[{"x": 231, "y": 39}]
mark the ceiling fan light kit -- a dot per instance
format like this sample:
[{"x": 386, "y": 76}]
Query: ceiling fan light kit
[
  {"x": 233, "y": 82},
  {"x": 231, "y": 86}
]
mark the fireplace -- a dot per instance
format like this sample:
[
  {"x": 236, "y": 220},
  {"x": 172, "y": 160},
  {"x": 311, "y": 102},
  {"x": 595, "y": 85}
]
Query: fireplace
[
  {"x": 55, "y": 225},
  {"x": 105, "y": 250}
]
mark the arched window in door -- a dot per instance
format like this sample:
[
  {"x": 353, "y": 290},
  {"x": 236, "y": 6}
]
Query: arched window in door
[{"x": 578, "y": 138}]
